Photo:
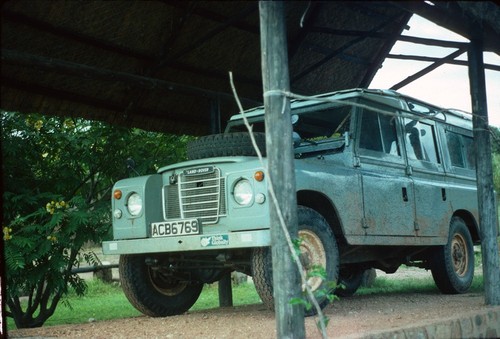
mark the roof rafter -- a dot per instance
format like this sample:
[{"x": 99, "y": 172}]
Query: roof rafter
[
  {"x": 381, "y": 35},
  {"x": 43, "y": 26},
  {"x": 428, "y": 69},
  {"x": 84, "y": 71},
  {"x": 431, "y": 59},
  {"x": 89, "y": 101},
  {"x": 339, "y": 50}
]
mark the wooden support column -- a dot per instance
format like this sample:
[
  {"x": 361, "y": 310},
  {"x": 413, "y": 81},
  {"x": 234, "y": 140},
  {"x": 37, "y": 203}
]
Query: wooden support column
[
  {"x": 486, "y": 197},
  {"x": 215, "y": 115},
  {"x": 225, "y": 291},
  {"x": 224, "y": 285},
  {"x": 275, "y": 78}
]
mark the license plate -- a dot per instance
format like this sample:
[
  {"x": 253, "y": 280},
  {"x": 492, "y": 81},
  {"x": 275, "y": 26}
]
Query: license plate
[{"x": 175, "y": 228}]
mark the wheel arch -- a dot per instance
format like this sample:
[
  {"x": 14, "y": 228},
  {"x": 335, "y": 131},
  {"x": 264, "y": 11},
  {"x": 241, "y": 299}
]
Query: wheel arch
[
  {"x": 471, "y": 224},
  {"x": 321, "y": 204}
]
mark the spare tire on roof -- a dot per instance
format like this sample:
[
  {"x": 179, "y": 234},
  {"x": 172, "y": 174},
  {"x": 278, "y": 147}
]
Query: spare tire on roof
[{"x": 227, "y": 144}]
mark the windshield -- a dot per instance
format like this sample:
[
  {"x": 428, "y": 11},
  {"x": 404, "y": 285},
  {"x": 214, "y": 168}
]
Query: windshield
[{"x": 312, "y": 124}]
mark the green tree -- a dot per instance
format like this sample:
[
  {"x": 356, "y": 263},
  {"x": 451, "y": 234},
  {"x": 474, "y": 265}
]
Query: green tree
[{"x": 58, "y": 175}]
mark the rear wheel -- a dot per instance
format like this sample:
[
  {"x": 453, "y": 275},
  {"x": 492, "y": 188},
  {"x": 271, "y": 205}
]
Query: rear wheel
[
  {"x": 318, "y": 248},
  {"x": 452, "y": 265},
  {"x": 153, "y": 291}
]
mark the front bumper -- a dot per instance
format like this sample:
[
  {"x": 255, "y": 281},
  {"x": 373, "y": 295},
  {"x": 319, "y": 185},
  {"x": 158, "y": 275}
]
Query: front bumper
[{"x": 199, "y": 242}]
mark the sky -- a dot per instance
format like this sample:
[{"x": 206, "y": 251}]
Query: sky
[{"x": 448, "y": 85}]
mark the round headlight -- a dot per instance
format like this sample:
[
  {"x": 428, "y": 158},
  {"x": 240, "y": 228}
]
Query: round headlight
[
  {"x": 134, "y": 204},
  {"x": 243, "y": 193}
]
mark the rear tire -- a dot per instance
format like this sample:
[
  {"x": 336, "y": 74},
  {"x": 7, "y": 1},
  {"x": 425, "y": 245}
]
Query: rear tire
[
  {"x": 152, "y": 292},
  {"x": 452, "y": 265},
  {"x": 318, "y": 247}
]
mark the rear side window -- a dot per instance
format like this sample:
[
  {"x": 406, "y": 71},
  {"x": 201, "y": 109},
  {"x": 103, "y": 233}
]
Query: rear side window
[
  {"x": 460, "y": 150},
  {"x": 420, "y": 139}
]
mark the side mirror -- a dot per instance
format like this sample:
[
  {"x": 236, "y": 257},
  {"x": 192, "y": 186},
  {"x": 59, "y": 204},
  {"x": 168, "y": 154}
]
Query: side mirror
[{"x": 131, "y": 166}]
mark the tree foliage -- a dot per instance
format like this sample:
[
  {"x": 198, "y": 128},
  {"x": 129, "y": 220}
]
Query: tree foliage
[{"x": 58, "y": 175}]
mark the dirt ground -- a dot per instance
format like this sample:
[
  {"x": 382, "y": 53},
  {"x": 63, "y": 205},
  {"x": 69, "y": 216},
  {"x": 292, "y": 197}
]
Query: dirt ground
[{"x": 349, "y": 317}]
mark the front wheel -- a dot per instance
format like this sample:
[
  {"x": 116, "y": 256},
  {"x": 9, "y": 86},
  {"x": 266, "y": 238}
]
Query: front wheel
[
  {"x": 318, "y": 247},
  {"x": 452, "y": 265},
  {"x": 153, "y": 291}
]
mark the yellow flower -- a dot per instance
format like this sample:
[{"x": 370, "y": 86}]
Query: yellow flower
[
  {"x": 38, "y": 125},
  {"x": 52, "y": 238},
  {"x": 62, "y": 203},
  {"x": 6, "y": 233},
  {"x": 68, "y": 123}
]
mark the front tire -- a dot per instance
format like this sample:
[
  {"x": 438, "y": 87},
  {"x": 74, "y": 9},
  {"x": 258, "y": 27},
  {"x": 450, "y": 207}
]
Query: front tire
[
  {"x": 318, "y": 247},
  {"x": 452, "y": 265},
  {"x": 152, "y": 292}
]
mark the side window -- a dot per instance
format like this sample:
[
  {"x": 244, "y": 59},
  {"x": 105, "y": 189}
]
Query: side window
[
  {"x": 455, "y": 149},
  {"x": 378, "y": 133},
  {"x": 420, "y": 141},
  {"x": 461, "y": 150}
]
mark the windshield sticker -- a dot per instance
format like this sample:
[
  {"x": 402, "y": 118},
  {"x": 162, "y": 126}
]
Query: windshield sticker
[{"x": 215, "y": 240}]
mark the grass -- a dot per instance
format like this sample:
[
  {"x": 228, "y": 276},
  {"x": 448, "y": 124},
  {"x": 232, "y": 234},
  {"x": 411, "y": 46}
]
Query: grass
[
  {"x": 107, "y": 301},
  {"x": 384, "y": 285}
]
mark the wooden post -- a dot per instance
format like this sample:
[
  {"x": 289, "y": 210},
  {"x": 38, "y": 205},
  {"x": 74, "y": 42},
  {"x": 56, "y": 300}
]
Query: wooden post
[
  {"x": 275, "y": 78},
  {"x": 486, "y": 197},
  {"x": 225, "y": 291},
  {"x": 215, "y": 115},
  {"x": 224, "y": 286}
]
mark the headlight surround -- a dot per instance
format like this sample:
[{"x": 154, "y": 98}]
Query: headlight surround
[
  {"x": 134, "y": 204},
  {"x": 243, "y": 192}
]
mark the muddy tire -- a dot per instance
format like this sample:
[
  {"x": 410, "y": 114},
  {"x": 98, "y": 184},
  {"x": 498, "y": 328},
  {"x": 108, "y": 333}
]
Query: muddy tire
[
  {"x": 152, "y": 293},
  {"x": 452, "y": 265},
  {"x": 223, "y": 145},
  {"x": 318, "y": 247}
]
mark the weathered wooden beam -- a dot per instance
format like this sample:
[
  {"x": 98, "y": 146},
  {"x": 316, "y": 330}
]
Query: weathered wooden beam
[
  {"x": 207, "y": 36},
  {"x": 450, "y": 15},
  {"x": 346, "y": 46},
  {"x": 380, "y": 57},
  {"x": 212, "y": 15},
  {"x": 488, "y": 218},
  {"x": 116, "y": 49},
  {"x": 431, "y": 59},
  {"x": 89, "y": 72},
  {"x": 382, "y": 35},
  {"x": 428, "y": 69},
  {"x": 215, "y": 123},
  {"x": 275, "y": 78},
  {"x": 118, "y": 108},
  {"x": 43, "y": 26}
]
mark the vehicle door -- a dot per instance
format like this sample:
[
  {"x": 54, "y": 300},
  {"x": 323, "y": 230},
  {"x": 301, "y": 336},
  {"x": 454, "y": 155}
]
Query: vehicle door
[
  {"x": 388, "y": 203},
  {"x": 433, "y": 210}
]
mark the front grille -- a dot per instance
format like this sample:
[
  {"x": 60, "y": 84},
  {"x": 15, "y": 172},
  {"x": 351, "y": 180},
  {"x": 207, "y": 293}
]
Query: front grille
[{"x": 196, "y": 196}]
